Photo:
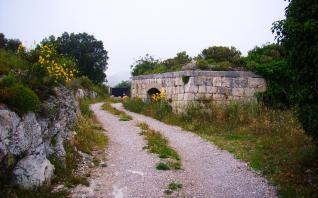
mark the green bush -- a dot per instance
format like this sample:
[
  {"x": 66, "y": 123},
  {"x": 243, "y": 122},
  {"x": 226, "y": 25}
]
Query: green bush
[
  {"x": 20, "y": 98},
  {"x": 10, "y": 61},
  {"x": 157, "y": 110},
  {"x": 270, "y": 62},
  {"x": 135, "y": 105}
]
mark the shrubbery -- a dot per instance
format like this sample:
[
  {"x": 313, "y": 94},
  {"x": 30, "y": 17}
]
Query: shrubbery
[
  {"x": 270, "y": 62},
  {"x": 28, "y": 76},
  {"x": 20, "y": 98}
]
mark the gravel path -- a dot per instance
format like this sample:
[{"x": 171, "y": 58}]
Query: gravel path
[{"x": 207, "y": 171}]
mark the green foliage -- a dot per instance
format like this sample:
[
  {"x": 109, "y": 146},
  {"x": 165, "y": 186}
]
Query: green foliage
[
  {"x": 162, "y": 166},
  {"x": 185, "y": 79},
  {"x": 270, "y": 62},
  {"x": 18, "y": 97},
  {"x": 9, "y": 44},
  {"x": 10, "y": 61},
  {"x": 89, "y": 53},
  {"x": 124, "y": 84},
  {"x": 156, "y": 109},
  {"x": 122, "y": 115},
  {"x": 135, "y": 105},
  {"x": 174, "y": 186},
  {"x": 38, "y": 80},
  {"x": 150, "y": 65},
  {"x": 84, "y": 107},
  {"x": 212, "y": 58},
  {"x": 82, "y": 82},
  {"x": 219, "y": 58},
  {"x": 89, "y": 136},
  {"x": 298, "y": 34},
  {"x": 157, "y": 143}
]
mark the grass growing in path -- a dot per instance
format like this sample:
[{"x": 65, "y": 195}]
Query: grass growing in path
[
  {"x": 158, "y": 144},
  {"x": 172, "y": 187},
  {"x": 122, "y": 115},
  {"x": 270, "y": 140}
]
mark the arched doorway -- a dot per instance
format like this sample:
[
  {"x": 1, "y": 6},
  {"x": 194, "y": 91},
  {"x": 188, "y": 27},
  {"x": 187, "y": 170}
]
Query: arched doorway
[{"x": 151, "y": 92}]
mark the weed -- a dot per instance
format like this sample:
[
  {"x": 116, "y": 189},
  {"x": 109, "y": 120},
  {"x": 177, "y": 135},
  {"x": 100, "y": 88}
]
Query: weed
[
  {"x": 174, "y": 186},
  {"x": 122, "y": 115},
  {"x": 158, "y": 144},
  {"x": 162, "y": 166},
  {"x": 125, "y": 118},
  {"x": 87, "y": 137}
]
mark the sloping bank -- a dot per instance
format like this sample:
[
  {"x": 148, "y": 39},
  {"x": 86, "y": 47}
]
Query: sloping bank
[{"x": 27, "y": 141}]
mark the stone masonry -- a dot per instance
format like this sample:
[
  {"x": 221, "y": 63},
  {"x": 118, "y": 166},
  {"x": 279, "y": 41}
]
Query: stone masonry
[{"x": 184, "y": 87}]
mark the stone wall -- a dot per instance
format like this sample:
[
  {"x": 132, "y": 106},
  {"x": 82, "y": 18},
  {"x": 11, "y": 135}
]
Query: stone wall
[{"x": 187, "y": 86}]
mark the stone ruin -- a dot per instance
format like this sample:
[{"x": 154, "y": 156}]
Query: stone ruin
[{"x": 185, "y": 87}]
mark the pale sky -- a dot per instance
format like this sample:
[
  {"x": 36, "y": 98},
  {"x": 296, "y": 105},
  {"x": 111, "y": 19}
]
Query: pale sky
[{"x": 131, "y": 28}]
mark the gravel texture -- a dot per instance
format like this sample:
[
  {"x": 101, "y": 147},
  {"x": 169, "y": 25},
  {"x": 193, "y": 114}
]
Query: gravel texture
[{"x": 206, "y": 170}]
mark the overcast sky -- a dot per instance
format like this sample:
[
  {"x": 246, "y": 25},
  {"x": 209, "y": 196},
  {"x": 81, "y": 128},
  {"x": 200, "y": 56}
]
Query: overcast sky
[{"x": 131, "y": 28}]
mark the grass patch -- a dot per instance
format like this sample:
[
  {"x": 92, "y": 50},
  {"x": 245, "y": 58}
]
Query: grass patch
[
  {"x": 122, "y": 115},
  {"x": 158, "y": 144},
  {"x": 172, "y": 187},
  {"x": 64, "y": 171},
  {"x": 270, "y": 140},
  {"x": 89, "y": 135},
  {"x": 162, "y": 166}
]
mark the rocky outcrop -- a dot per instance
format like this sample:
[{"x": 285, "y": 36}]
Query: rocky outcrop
[
  {"x": 27, "y": 142},
  {"x": 82, "y": 93}
]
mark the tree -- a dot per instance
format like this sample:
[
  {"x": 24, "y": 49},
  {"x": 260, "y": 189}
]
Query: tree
[
  {"x": 299, "y": 35},
  {"x": 9, "y": 44},
  {"x": 3, "y": 40},
  {"x": 222, "y": 54},
  {"x": 124, "y": 84},
  {"x": 270, "y": 62},
  {"x": 89, "y": 53},
  {"x": 144, "y": 65}
]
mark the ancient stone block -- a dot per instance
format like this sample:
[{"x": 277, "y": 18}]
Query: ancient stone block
[
  {"x": 209, "y": 81},
  {"x": 227, "y": 82},
  {"x": 223, "y": 90},
  {"x": 191, "y": 89},
  {"x": 198, "y": 80},
  {"x": 178, "y": 81},
  {"x": 249, "y": 92},
  {"x": 256, "y": 82},
  {"x": 210, "y": 89},
  {"x": 217, "y": 81},
  {"x": 218, "y": 97},
  {"x": 188, "y": 96},
  {"x": 240, "y": 82},
  {"x": 180, "y": 97},
  {"x": 238, "y": 92},
  {"x": 202, "y": 89}
]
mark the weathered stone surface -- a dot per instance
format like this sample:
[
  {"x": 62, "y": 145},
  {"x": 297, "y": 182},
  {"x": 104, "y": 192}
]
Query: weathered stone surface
[
  {"x": 32, "y": 171},
  {"x": 222, "y": 86},
  {"x": 32, "y": 138}
]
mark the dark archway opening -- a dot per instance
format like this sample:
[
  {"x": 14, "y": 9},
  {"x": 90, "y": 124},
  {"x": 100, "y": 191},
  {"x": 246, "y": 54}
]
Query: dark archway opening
[{"x": 151, "y": 92}]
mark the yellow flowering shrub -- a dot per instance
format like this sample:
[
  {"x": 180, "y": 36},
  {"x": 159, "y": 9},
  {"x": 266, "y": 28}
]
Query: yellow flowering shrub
[
  {"x": 21, "y": 49},
  {"x": 60, "y": 68},
  {"x": 160, "y": 96}
]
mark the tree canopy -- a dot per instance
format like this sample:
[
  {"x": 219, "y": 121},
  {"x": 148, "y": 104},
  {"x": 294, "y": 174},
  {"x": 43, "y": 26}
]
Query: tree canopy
[
  {"x": 298, "y": 33},
  {"x": 89, "y": 53},
  {"x": 124, "y": 84}
]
